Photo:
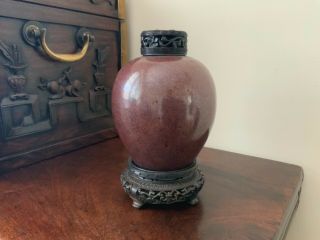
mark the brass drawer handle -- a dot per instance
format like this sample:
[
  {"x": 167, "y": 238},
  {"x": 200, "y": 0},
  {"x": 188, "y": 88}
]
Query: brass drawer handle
[
  {"x": 63, "y": 57},
  {"x": 35, "y": 34}
]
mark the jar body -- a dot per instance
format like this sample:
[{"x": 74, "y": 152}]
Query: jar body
[{"x": 163, "y": 107}]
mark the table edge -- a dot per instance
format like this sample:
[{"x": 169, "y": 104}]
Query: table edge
[{"x": 290, "y": 211}]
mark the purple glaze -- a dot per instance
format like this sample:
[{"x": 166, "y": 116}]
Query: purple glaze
[{"x": 163, "y": 107}]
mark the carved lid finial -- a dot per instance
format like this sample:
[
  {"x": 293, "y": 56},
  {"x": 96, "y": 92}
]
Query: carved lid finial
[{"x": 161, "y": 42}]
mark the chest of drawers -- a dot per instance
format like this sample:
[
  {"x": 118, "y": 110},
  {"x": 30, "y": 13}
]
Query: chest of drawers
[{"x": 58, "y": 62}]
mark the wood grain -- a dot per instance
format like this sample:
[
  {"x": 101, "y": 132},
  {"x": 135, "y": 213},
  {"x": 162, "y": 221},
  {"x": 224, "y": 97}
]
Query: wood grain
[
  {"x": 123, "y": 31},
  {"x": 23, "y": 10},
  {"x": 101, "y": 8},
  {"x": 78, "y": 196}
]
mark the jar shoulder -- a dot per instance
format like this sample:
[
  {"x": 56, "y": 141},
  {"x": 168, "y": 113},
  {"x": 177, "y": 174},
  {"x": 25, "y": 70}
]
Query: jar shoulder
[{"x": 164, "y": 63}]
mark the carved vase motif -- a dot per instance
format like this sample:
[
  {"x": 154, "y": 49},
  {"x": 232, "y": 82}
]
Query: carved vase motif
[
  {"x": 16, "y": 66},
  {"x": 17, "y": 83}
]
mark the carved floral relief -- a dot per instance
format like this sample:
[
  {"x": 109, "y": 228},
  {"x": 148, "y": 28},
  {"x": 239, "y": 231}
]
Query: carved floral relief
[
  {"x": 15, "y": 66},
  {"x": 20, "y": 111},
  {"x": 163, "y": 41}
]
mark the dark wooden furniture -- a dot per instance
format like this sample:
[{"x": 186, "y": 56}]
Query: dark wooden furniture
[
  {"x": 78, "y": 196},
  {"x": 49, "y": 104}
]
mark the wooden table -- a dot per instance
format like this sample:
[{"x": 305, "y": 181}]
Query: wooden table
[{"x": 78, "y": 196}]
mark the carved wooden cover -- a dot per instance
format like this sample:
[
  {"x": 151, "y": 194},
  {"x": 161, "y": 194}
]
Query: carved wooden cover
[{"x": 49, "y": 107}]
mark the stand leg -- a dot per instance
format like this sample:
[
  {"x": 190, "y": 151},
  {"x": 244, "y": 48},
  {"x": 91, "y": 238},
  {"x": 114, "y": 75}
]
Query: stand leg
[
  {"x": 136, "y": 203},
  {"x": 194, "y": 201}
]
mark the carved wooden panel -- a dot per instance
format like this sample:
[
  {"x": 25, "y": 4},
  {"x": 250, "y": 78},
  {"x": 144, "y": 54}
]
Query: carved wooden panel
[{"x": 47, "y": 106}]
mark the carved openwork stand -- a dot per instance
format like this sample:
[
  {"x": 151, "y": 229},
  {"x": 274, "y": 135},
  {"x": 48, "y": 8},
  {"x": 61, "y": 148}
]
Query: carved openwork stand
[{"x": 155, "y": 187}]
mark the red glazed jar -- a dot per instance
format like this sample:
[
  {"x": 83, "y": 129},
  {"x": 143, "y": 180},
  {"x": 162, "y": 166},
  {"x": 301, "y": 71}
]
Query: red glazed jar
[{"x": 163, "y": 104}]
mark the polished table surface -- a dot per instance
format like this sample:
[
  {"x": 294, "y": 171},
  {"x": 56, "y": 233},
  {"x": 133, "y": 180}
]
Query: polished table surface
[{"x": 78, "y": 196}]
